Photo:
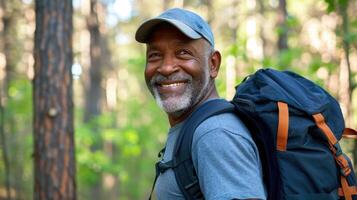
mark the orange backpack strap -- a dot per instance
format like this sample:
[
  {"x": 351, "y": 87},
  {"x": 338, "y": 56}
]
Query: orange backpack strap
[
  {"x": 333, "y": 143},
  {"x": 349, "y": 133},
  {"x": 336, "y": 150},
  {"x": 283, "y": 127},
  {"x": 320, "y": 122},
  {"x": 346, "y": 190}
]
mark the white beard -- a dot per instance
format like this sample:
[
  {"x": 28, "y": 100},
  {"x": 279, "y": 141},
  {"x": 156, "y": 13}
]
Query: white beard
[
  {"x": 174, "y": 104},
  {"x": 178, "y": 104}
]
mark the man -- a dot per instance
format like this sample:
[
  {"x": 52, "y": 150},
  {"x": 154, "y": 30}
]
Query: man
[{"x": 180, "y": 72}]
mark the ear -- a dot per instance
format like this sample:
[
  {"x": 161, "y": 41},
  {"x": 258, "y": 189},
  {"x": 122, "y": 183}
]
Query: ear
[{"x": 215, "y": 63}]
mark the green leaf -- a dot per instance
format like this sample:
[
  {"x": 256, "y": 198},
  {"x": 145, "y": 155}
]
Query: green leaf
[
  {"x": 111, "y": 134},
  {"x": 330, "y": 5}
]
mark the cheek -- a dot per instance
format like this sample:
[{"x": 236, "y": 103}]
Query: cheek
[
  {"x": 149, "y": 73},
  {"x": 192, "y": 67},
  {"x": 196, "y": 70}
]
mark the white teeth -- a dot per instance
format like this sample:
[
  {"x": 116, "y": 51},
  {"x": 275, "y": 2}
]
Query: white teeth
[{"x": 171, "y": 85}]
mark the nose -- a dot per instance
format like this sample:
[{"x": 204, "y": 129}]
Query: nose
[{"x": 168, "y": 66}]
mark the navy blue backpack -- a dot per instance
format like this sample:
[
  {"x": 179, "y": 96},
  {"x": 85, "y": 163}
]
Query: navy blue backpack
[{"x": 296, "y": 126}]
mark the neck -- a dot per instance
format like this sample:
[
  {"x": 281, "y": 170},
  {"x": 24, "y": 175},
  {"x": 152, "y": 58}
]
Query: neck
[{"x": 177, "y": 118}]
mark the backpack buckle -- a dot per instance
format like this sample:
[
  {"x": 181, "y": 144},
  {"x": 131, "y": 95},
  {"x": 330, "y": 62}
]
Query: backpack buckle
[
  {"x": 194, "y": 189},
  {"x": 163, "y": 166},
  {"x": 337, "y": 149},
  {"x": 343, "y": 164},
  {"x": 341, "y": 160}
]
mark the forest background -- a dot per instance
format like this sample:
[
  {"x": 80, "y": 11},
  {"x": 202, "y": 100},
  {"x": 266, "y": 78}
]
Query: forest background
[{"x": 118, "y": 128}]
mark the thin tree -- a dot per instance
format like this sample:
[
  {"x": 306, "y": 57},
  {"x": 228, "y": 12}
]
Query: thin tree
[
  {"x": 94, "y": 91},
  {"x": 11, "y": 57},
  {"x": 210, "y": 10},
  {"x": 3, "y": 145},
  {"x": 262, "y": 10},
  {"x": 54, "y": 157},
  {"x": 166, "y": 4},
  {"x": 342, "y": 9},
  {"x": 282, "y": 26},
  {"x": 3, "y": 94}
]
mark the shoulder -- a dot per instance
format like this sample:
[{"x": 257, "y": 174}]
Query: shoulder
[
  {"x": 226, "y": 159},
  {"x": 223, "y": 134},
  {"x": 220, "y": 126}
]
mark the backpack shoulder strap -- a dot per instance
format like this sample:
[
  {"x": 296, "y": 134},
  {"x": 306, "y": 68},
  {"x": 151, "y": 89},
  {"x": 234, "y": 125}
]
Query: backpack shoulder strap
[{"x": 185, "y": 173}]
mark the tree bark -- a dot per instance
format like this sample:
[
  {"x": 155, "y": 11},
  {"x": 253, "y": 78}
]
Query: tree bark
[
  {"x": 165, "y": 4},
  {"x": 4, "y": 145},
  {"x": 346, "y": 48},
  {"x": 232, "y": 68},
  {"x": 282, "y": 26},
  {"x": 261, "y": 23},
  {"x": 12, "y": 56},
  {"x": 3, "y": 97},
  {"x": 210, "y": 11},
  {"x": 54, "y": 156},
  {"x": 94, "y": 90},
  {"x": 343, "y": 10}
]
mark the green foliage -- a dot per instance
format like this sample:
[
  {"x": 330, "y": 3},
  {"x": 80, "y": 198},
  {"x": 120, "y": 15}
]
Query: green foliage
[
  {"x": 332, "y": 5},
  {"x": 18, "y": 134},
  {"x": 126, "y": 151},
  {"x": 123, "y": 142}
]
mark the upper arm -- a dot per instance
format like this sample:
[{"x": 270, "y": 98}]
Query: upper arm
[{"x": 227, "y": 165}]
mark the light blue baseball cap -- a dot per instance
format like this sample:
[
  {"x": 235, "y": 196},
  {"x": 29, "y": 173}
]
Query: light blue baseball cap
[{"x": 188, "y": 22}]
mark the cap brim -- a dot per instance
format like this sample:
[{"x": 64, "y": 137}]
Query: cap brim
[{"x": 145, "y": 29}]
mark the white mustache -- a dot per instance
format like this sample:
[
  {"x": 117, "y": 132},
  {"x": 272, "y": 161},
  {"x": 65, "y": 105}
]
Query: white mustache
[{"x": 174, "y": 77}]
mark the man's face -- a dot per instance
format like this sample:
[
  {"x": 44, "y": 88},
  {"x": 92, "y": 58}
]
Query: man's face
[{"x": 177, "y": 72}]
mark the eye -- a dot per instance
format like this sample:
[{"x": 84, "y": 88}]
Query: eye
[
  {"x": 153, "y": 56},
  {"x": 184, "y": 53}
]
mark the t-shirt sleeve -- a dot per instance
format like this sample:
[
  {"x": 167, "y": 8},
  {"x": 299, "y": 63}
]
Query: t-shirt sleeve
[{"x": 228, "y": 166}]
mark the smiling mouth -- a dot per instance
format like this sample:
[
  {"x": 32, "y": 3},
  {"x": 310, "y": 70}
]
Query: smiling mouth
[
  {"x": 171, "y": 87},
  {"x": 171, "y": 84}
]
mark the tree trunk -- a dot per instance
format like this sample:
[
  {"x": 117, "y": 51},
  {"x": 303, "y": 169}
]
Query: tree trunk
[
  {"x": 234, "y": 19},
  {"x": 54, "y": 156},
  {"x": 282, "y": 26},
  {"x": 232, "y": 68},
  {"x": 3, "y": 144},
  {"x": 346, "y": 47},
  {"x": 343, "y": 11},
  {"x": 9, "y": 31},
  {"x": 3, "y": 97},
  {"x": 210, "y": 11},
  {"x": 166, "y": 4},
  {"x": 261, "y": 23},
  {"x": 93, "y": 102},
  {"x": 94, "y": 90},
  {"x": 12, "y": 55}
]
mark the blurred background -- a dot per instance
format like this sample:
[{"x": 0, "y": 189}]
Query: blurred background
[{"x": 118, "y": 127}]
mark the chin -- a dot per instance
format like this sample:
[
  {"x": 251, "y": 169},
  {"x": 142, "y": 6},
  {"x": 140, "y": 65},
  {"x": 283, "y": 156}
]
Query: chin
[{"x": 174, "y": 105}]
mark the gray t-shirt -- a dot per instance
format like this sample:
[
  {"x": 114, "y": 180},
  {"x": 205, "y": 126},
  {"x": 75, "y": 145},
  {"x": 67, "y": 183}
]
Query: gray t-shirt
[{"x": 225, "y": 158}]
